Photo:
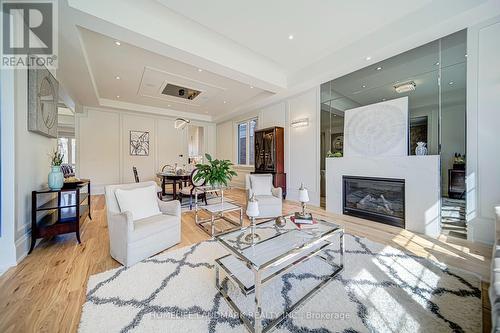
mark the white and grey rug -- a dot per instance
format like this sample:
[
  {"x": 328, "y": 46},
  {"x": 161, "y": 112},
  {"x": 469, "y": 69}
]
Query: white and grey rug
[{"x": 381, "y": 289}]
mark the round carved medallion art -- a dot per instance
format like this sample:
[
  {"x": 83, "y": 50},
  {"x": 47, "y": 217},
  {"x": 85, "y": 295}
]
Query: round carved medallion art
[{"x": 376, "y": 130}]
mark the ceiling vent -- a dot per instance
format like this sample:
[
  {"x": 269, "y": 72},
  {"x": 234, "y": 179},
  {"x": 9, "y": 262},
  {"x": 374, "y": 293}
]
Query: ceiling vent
[{"x": 181, "y": 92}]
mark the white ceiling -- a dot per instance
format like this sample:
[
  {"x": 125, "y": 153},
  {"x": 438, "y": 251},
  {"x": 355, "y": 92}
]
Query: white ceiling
[
  {"x": 237, "y": 44},
  {"x": 318, "y": 27}
]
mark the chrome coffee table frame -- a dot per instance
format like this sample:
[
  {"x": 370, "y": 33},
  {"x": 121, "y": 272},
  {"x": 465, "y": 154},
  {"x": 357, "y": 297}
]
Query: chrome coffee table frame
[
  {"x": 298, "y": 255},
  {"x": 216, "y": 211}
]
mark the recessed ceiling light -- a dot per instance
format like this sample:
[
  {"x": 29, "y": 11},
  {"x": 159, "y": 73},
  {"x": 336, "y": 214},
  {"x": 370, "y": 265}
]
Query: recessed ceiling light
[
  {"x": 169, "y": 105},
  {"x": 117, "y": 96},
  {"x": 437, "y": 63},
  {"x": 363, "y": 86},
  {"x": 290, "y": 37},
  {"x": 368, "y": 58},
  {"x": 200, "y": 70},
  {"x": 225, "y": 102},
  {"x": 379, "y": 68},
  {"x": 451, "y": 83},
  {"x": 118, "y": 43},
  {"x": 117, "y": 77},
  {"x": 251, "y": 87}
]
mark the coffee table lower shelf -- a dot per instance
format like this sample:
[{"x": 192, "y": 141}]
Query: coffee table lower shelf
[{"x": 261, "y": 277}]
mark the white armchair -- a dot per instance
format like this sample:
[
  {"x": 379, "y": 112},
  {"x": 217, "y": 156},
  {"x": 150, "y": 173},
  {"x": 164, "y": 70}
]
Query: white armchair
[
  {"x": 132, "y": 241},
  {"x": 268, "y": 196}
]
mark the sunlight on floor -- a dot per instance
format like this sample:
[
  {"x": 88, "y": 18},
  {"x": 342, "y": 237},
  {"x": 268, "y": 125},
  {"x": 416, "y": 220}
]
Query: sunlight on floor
[{"x": 379, "y": 298}]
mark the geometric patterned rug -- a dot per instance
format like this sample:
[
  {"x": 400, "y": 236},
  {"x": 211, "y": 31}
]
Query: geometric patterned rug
[{"x": 381, "y": 289}]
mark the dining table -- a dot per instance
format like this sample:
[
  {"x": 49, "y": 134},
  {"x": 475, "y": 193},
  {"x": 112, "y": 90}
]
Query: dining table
[{"x": 175, "y": 178}]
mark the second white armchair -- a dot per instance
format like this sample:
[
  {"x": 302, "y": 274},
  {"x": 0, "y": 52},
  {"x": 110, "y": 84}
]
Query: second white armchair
[{"x": 268, "y": 196}]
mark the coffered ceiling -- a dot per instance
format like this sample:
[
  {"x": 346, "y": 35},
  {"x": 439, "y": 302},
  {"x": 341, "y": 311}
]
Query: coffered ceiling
[{"x": 129, "y": 75}]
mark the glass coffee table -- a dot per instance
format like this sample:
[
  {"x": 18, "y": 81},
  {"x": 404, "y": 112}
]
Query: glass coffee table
[
  {"x": 249, "y": 266},
  {"x": 216, "y": 211}
]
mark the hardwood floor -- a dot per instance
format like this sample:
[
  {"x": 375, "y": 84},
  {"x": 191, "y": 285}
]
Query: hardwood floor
[{"x": 45, "y": 292}]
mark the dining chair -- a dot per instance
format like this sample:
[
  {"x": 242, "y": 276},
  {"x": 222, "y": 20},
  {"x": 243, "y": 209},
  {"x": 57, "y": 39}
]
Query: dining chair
[
  {"x": 136, "y": 178},
  {"x": 188, "y": 191},
  {"x": 168, "y": 189}
]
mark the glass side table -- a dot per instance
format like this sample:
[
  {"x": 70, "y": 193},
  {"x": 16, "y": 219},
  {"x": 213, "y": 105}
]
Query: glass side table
[{"x": 216, "y": 211}]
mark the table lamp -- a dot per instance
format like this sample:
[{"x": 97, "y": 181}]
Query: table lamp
[
  {"x": 252, "y": 213},
  {"x": 303, "y": 198}
]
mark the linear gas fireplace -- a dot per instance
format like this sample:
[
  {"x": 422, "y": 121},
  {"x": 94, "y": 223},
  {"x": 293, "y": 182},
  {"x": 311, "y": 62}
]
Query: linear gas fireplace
[{"x": 376, "y": 199}]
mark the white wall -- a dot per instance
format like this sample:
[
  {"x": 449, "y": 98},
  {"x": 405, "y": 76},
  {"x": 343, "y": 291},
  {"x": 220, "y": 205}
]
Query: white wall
[
  {"x": 301, "y": 144},
  {"x": 7, "y": 218},
  {"x": 103, "y": 151},
  {"x": 483, "y": 134},
  {"x": 32, "y": 164}
]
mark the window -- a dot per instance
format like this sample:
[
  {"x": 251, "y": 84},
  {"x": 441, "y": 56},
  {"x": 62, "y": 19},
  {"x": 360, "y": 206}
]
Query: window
[
  {"x": 67, "y": 146},
  {"x": 245, "y": 141},
  {"x": 63, "y": 148}
]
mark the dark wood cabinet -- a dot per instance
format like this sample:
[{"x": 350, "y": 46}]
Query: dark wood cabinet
[
  {"x": 63, "y": 213},
  {"x": 269, "y": 154},
  {"x": 456, "y": 183}
]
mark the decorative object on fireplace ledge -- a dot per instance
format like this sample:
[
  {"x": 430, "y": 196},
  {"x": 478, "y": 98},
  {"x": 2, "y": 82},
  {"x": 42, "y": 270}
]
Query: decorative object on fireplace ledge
[
  {"x": 421, "y": 149},
  {"x": 56, "y": 177},
  {"x": 252, "y": 213}
]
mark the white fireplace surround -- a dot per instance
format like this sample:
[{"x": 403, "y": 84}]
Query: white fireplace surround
[{"x": 422, "y": 185}]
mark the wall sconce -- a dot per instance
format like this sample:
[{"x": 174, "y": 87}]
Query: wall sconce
[{"x": 300, "y": 122}]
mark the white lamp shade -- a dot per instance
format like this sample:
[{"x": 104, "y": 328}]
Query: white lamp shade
[
  {"x": 303, "y": 195},
  {"x": 253, "y": 209}
]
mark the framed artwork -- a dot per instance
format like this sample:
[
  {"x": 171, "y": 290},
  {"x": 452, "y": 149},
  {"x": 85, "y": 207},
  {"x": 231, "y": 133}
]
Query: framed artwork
[
  {"x": 139, "y": 143},
  {"x": 379, "y": 129},
  {"x": 43, "y": 96}
]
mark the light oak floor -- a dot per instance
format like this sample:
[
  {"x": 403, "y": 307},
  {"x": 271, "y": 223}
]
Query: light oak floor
[{"x": 45, "y": 292}]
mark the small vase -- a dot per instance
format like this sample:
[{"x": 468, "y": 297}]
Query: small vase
[
  {"x": 56, "y": 178},
  {"x": 421, "y": 149}
]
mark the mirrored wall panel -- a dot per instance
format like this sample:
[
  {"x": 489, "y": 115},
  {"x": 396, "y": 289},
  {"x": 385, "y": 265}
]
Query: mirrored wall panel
[{"x": 433, "y": 76}]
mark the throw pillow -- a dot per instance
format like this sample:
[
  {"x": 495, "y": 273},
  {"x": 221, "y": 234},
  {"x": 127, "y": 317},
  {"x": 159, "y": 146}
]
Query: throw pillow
[
  {"x": 261, "y": 184},
  {"x": 141, "y": 202}
]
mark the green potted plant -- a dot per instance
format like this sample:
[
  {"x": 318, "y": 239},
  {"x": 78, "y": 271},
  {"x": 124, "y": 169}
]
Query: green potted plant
[
  {"x": 336, "y": 154},
  {"x": 56, "y": 177},
  {"x": 215, "y": 172},
  {"x": 459, "y": 161}
]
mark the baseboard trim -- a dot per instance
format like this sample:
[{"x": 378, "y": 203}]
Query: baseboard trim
[
  {"x": 23, "y": 246},
  {"x": 481, "y": 230}
]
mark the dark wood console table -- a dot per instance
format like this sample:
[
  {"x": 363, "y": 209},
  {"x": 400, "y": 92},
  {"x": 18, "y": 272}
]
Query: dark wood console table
[{"x": 61, "y": 214}]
